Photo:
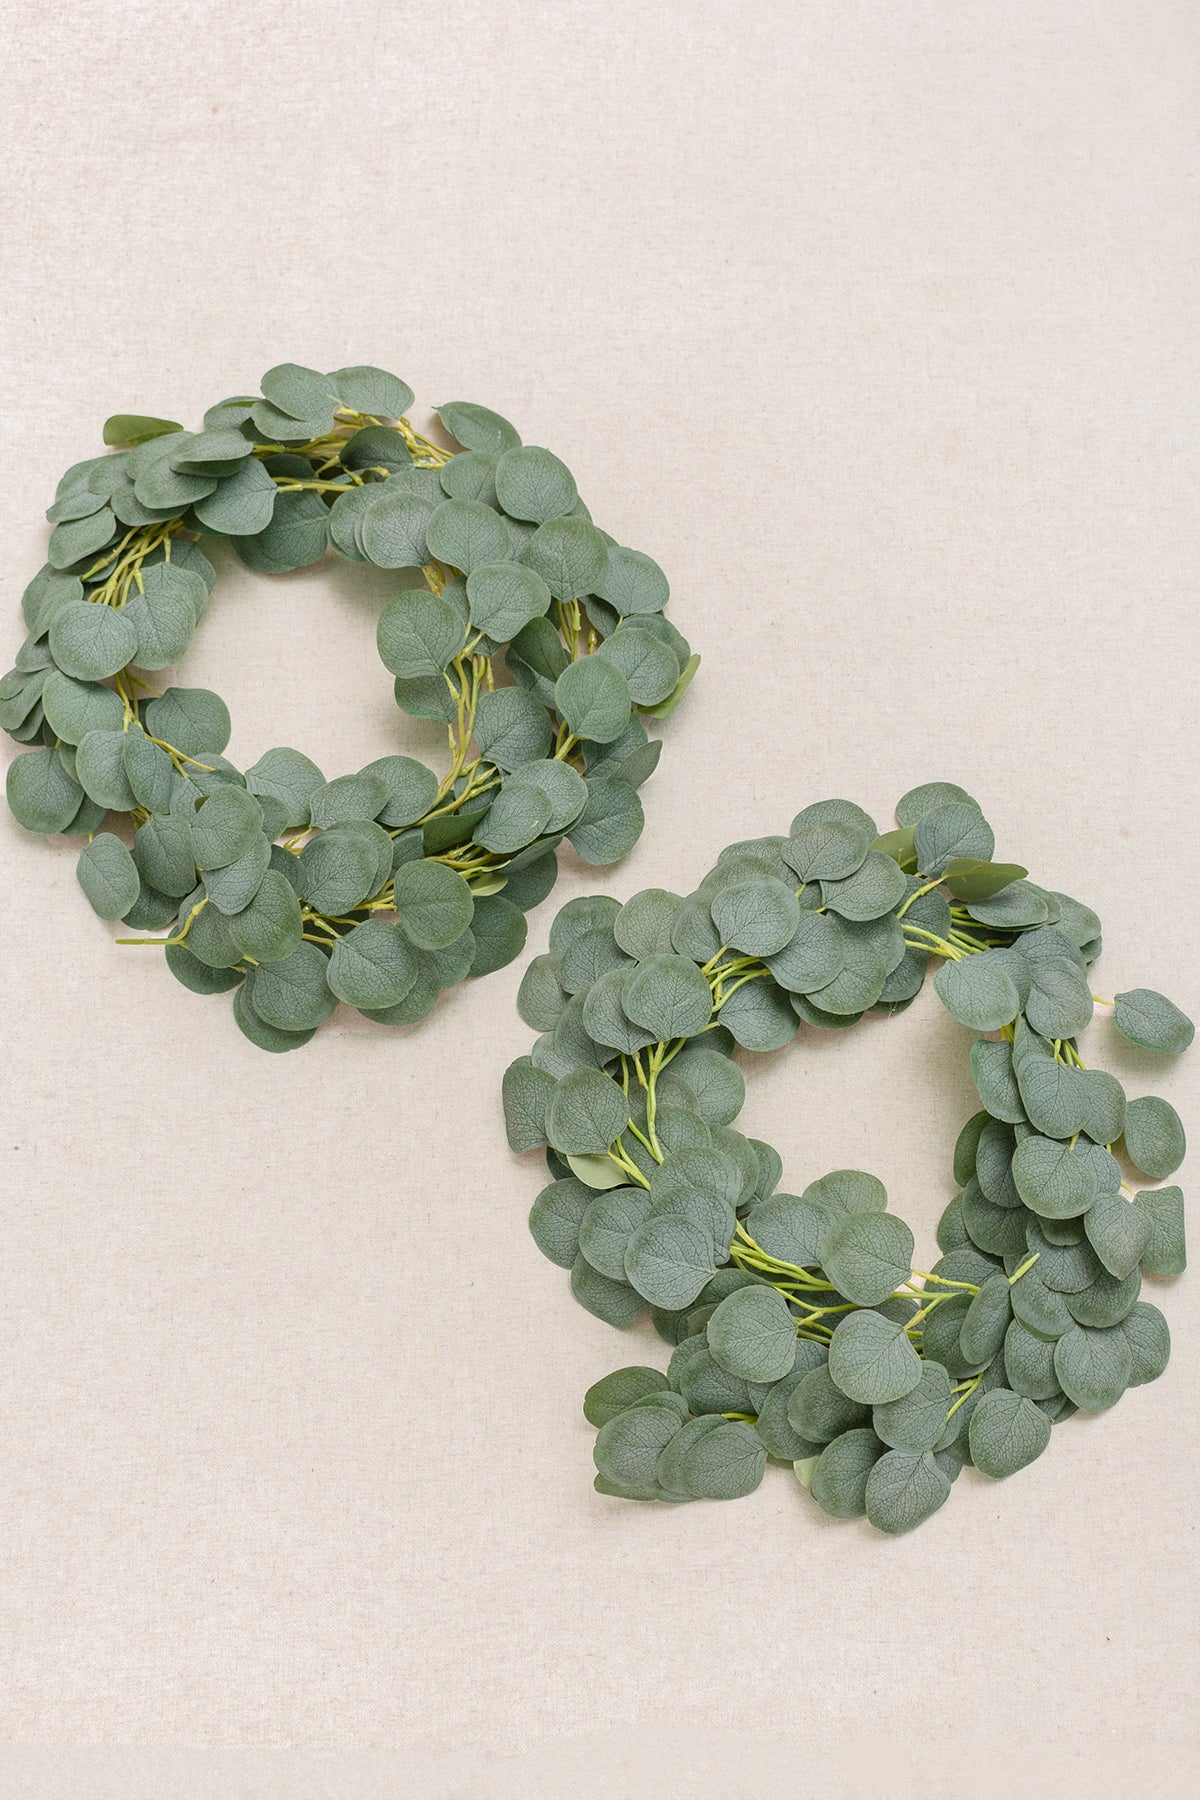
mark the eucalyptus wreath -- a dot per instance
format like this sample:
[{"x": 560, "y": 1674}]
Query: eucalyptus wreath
[
  {"x": 384, "y": 886},
  {"x": 800, "y": 1329}
]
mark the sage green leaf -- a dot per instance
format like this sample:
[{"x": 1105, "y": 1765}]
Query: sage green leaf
[
  {"x": 969, "y": 879},
  {"x": 372, "y": 391},
  {"x": 556, "y": 1217},
  {"x": 753, "y": 1334},
  {"x": 191, "y": 720},
  {"x": 517, "y": 816},
  {"x": 108, "y": 876},
  {"x": 981, "y": 1334},
  {"x": 149, "y": 772},
  {"x": 917, "y": 1420},
  {"x": 477, "y": 427},
  {"x": 471, "y": 475},
  {"x": 613, "y": 1301},
  {"x": 632, "y": 583},
  {"x": 433, "y": 903},
  {"x": 597, "y": 1172},
  {"x": 289, "y": 777},
  {"x": 505, "y": 597},
  {"x": 1014, "y": 907},
  {"x": 1052, "y": 1180},
  {"x": 722, "y": 1463},
  {"x": 757, "y": 917},
  {"x": 292, "y": 994},
  {"x": 586, "y": 1112},
  {"x": 1093, "y": 1367},
  {"x": 264, "y": 1036},
  {"x": 499, "y": 932},
  {"x": 570, "y": 556},
  {"x": 819, "y": 1411},
  {"x": 876, "y": 887},
  {"x": 269, "y": 927},
  {"x": 242, "y": 504},
  {"x": 1155, "y": 1141},
  {"x": 1145, "y": 1331},
  {"x": 996, "y": 1082},
  {"x": 297, "y": 536},
  {"x": 669, "y": 1259},
  {"x": 419, "y": 634},
  {"x": 533, "y": 484},
  {"x": 196, "y": 976},
  {"x": 870, "y": 1358},
  {"x": 511, "y": 729},
  {"x": 336, "y": 872},
  {"x": 839, "y": 1481},
  {"x": 848, "y": 1191},
  {"x": 77, "y": 539},
  {"x": 758, "y": 1016},
  {"x": 947, "y": 832},
  {"x": 649, "y": 666},
  {"x": 360, "y": 796},
  {"x": 1118, "y": 1232},
  {"x": 90, "y": 641},
  {"x": 912, "y": 807},
  {"x": 409, "y": 789},
  {"x": 867, "y": 1255},
  {"x": 825, "y": 846},
  {"x": 903, "y": 1490},
  {"x": 373, "y": 965},
  {"x": 620, "y": 1390},
  {"x": 978, "y": 991},
  {"x": 162, "y": 851},
  {"x": 966, "y": 1146},
  {"x": 610, "y": 824},
  {"x": 466, "y": 534},
  {"x": 1055, "y": 1097},
  {"x": 541, "y": 996},
  {"x": 593, "y": 697},
  {"x": 1153, "y": 1021},
  {"x": 669, "y": 996},
  {"x": 607, "y": 1226},
  {"x": 393, "y": 528},
  {"x": 232, "y": 887},
  {"x": 643, "y": 926},
  {"x": 1059, "y": 1004},
  {"x": 708, "y": 1082},
  {"x": 813, "y": 957},
  {"x": 526, "y": 1093},
  {"x": 790, "y": 1228},
  {"x": 1029, "y": 1363},
  {"x": 563, "y": 786},
  {"x": 628, "y": 1447},
  {"x": 1007, "y": 1431},
  {"x": 1039, "y": 1308},
  {"x": 1165, "y": 1252},
  {"x": 41, "y": 795},
  {"x": 100, "y": 770},
  {"x": 226, "y": 825},
  {"x": 1105, "y": 1099}
]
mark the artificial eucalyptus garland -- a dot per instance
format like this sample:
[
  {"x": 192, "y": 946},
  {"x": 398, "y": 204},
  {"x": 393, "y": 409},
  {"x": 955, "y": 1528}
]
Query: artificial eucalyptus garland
[
  {"x": 800, "y": 1329},
  {"x": 381, "y": 887}
]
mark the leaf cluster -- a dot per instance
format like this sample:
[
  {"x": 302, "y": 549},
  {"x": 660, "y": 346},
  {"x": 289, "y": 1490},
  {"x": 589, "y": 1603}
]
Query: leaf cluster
[
  {"x": 532, "y": 636},
  {"x": 799, "y": 1329}
]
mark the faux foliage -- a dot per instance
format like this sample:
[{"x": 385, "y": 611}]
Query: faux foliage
[
  {"x": 800, "y": 1330},
  {"x": 537, "y": 640}
]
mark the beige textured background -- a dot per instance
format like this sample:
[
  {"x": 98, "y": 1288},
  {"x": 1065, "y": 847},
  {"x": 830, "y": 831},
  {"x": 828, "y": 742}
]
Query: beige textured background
[{"x": 876, "y": 324}]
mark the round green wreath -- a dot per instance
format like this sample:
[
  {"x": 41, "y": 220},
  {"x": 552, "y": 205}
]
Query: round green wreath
[
  {"x": 800, "y": 1329},
  {"x": 389, "y": 884}
]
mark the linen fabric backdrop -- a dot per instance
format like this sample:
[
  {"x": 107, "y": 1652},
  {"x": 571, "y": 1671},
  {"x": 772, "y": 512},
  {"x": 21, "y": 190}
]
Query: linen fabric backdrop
[{"x": 876, "y": 325}]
